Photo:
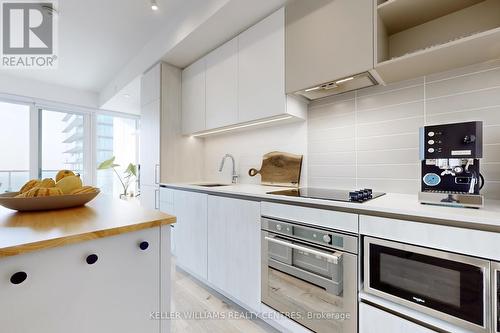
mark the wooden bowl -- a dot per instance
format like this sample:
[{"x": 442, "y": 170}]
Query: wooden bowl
[{"x": 8, "y": 200}]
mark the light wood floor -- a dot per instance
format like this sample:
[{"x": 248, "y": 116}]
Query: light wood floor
[{"x": 190, "y": 296}]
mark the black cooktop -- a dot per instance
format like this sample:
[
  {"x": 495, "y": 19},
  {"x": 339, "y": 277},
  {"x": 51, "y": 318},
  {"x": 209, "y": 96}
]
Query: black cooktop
[{"x": 330, "y": 194}]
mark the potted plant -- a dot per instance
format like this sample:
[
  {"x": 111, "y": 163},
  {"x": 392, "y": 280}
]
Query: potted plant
[{"x": 129, "y": 173}]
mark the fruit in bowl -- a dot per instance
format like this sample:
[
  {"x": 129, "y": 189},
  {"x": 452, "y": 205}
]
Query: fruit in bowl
[{"x": 66, "y": 183}]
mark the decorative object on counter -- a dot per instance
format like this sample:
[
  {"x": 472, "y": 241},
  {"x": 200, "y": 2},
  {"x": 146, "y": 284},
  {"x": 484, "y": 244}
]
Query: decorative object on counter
[
  {"x": 279, "y": 169},
  {"x": 129, "y": 173},
  {"x": 47, "y": 194},
  {"x": 450, "y": 157}
]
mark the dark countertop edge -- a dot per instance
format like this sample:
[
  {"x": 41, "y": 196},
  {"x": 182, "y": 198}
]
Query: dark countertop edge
[{"x": 368, "y": 212}]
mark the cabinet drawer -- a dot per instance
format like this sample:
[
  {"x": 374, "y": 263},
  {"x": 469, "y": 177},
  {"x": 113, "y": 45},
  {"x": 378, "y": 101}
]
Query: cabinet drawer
[
  {"x": 374, "y": 320},
  {"x": 320, "y": 217}
]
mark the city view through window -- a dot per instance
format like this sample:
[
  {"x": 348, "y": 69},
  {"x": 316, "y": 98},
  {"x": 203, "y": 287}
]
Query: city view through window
[
  {"x": 62, "y": 146},
  {"x": 14, "y": 145}
]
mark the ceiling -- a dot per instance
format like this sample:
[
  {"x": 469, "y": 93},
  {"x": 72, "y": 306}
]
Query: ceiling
[
  {"x": 127, "y": 100},
  {"x": 98, "y": 37},
  {"x": 104, "y": 46}
]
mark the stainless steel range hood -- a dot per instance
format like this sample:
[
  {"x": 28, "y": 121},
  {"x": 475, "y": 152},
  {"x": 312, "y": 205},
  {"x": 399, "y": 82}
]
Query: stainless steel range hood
[{"x": 339, "y": 86}]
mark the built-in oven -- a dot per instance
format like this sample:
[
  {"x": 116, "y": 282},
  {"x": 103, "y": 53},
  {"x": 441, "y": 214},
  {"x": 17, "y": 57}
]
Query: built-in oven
[
  {"x": 309, "y": 274},
  {"x": 448, "y": 286}
]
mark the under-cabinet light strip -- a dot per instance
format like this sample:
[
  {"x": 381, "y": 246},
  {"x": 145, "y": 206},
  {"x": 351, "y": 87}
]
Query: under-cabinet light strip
[{"x": 227, "y": 129}]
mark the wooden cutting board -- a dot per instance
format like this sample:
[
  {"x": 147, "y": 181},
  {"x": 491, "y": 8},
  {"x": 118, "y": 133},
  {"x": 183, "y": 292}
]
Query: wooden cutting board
[{"x": 279, "y": 169}]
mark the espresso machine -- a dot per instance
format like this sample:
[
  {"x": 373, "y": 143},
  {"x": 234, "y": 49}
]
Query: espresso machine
[{"x": 450, "y": 156}]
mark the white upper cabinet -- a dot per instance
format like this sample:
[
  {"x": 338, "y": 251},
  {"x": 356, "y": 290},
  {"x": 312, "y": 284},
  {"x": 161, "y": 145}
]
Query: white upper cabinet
[
  {"x": 261, "y": 69},
  {"x": 193, "y": 97},
  {"x": 222, "y": 85},
  {"x": 150, "y": 85},
  {"x": 241, "y": 82},
  {"x": 327, "y": 40}
]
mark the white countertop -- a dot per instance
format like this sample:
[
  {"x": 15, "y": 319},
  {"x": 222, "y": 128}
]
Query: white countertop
[{"x": 393, "y": 204}]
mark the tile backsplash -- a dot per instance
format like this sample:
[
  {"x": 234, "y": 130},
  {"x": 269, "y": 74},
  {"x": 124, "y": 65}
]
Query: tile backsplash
[
  {"x": 369, "y": 138},
  {"x": 248, "y": 147}
]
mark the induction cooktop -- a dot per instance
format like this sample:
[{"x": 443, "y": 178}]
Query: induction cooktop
[{"x": 330, "y": 194}]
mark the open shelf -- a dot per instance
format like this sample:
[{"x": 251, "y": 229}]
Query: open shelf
[
  {"x": 414, "y": 45},
  {"x": 399, "y": 15},
  {"x": 458, "y": 53}
]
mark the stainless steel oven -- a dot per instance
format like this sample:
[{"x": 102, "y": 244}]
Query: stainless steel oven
[
  {"x": 448, "y": 286},
  {"x": 310, "y": 275}
]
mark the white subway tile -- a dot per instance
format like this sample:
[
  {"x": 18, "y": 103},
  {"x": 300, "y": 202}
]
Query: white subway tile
[
  {"x": 405, "y": 156},
  {"x": 399, "y": 126},
  {"x": 390, "y": 98},
  {"x": 489, "y": 116},
  {"x": 411, "y": 171},
  {"x": 400, "y": 111},
  {"x": 464, "y": 101},
  {"x": 463, "y": 83},
  {"x": 397, "y": 141}
]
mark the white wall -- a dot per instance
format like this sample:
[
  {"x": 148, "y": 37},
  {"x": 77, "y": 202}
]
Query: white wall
[
  {"x": 370, "y": 138},
  {"x": 17, "y": 86},
  {"x": 248, "y": 147}
]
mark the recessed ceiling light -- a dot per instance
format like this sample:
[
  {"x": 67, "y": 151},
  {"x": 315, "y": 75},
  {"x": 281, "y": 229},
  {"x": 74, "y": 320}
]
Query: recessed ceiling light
[{"x": 154, "y": 5}]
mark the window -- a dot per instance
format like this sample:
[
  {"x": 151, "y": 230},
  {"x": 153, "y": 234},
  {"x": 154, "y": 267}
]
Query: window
[
  {"x": 116, "y": 136},
  {"x": 62, "y": 142},
  {"x": 37, "y": 141},
  {"x": 14, "y": 145}
]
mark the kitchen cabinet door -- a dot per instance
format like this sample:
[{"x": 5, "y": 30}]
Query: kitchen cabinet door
[
  {"x": 193, "y": 97},
  {"x": 327, "y": 40},
  {"x": 261, "y": 69},
  {"x": 374, "y": 320},
  {"x": 167, "y": 207},
  {"x": 234, "y": 248},
  {"x": 63, "y": 293},
  {"x": 150, "y": 85},
  {"x": 222, "y": 85},
  {"x": 190, "y": 234},
  {"x": 150, "y": 144},
  {"x": 149, "y": 197}
]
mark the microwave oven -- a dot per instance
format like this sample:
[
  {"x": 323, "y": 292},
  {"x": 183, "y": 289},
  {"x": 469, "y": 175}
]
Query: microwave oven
[{"x": 451, "y": 287}]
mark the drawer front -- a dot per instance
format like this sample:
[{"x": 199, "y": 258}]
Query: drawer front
[
  {"x": 374, "y": 320},
  {"x": 320, "y": 217}
]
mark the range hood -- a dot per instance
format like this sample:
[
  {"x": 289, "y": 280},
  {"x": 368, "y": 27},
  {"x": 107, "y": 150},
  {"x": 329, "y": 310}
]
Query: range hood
[
  {"x": 329, "y": 47},
  {"x": 339, "y": 86}
]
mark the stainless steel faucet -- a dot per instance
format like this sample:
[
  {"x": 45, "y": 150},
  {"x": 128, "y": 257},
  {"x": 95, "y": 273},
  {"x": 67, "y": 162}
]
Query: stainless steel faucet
[{"x": 234, "y": 175}]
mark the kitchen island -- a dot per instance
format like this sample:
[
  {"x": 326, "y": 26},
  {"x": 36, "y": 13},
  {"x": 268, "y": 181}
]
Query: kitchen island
[{"x": 103, "y": 267}]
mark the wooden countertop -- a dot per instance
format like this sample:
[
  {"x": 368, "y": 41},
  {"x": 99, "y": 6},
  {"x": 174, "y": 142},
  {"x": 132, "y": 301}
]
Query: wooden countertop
[{"x": 102, "y": 217}]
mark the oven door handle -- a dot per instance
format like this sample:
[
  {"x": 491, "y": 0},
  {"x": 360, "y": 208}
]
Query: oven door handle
[{"x": 334, "y": 258}]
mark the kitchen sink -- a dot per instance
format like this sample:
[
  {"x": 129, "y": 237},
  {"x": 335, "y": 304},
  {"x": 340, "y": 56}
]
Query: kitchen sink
[{"x": 211, "y": 185}]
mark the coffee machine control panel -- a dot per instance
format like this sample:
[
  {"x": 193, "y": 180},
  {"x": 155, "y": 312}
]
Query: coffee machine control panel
[{"x": 463, "y": 140}]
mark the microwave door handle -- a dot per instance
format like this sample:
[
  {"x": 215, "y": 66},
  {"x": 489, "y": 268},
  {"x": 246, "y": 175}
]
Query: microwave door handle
[{"x": 335, "y": 258}]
